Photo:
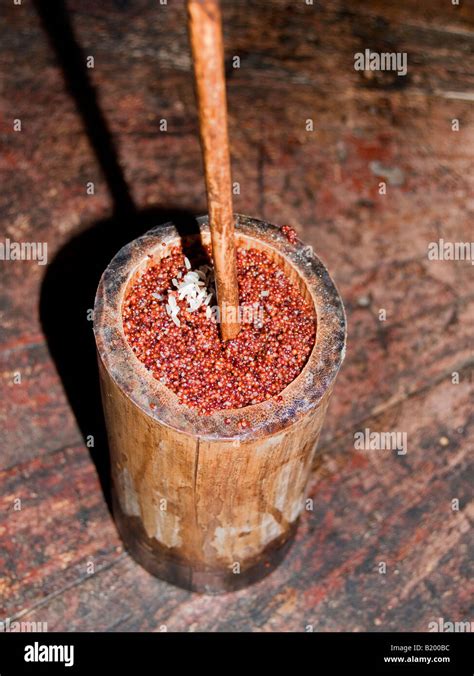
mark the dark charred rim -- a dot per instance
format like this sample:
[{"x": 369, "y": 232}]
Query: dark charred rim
[{"x": 268, "y": 417}]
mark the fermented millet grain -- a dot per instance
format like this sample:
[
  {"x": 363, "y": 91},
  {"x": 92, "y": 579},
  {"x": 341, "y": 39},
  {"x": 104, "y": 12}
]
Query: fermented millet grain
[{"x": 205, "y": 372}]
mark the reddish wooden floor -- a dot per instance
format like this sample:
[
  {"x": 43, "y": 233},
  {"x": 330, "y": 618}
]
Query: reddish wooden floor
[{"x": 296, "y": 64}]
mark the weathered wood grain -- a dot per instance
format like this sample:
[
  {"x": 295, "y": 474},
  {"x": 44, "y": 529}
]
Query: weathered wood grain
[
  {"x": 35, "y": 416},
  {"x": 363, "y": 501},
  {"x": 60, "y": 504},
  {"x": 299, "y": 67}
]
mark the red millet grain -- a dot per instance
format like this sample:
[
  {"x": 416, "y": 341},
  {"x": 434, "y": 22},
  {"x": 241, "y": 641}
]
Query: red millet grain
[
  {"x": 290, "y": 233},
  {"x": 205, "y": 372}
]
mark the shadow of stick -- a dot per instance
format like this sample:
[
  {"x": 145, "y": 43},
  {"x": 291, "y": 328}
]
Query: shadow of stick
[{"x": 72, "y": 277}]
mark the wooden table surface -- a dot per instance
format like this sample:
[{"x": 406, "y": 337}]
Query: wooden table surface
[{"x": 61, "y": 561}]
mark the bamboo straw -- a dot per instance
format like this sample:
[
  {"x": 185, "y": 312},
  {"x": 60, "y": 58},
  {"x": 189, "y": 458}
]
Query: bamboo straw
[{"x": 205, "y": 30}]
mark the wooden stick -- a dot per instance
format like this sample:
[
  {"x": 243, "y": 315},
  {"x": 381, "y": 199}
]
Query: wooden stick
[{"x": 205, "y": 32}]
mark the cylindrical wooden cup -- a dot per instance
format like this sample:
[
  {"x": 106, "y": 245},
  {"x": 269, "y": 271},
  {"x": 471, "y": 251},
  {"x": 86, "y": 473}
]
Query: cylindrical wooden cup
[{"x": 201, "y": 501}]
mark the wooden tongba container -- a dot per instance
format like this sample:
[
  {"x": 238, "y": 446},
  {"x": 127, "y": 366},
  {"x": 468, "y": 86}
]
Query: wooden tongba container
[{"x": 203, "y": 503}]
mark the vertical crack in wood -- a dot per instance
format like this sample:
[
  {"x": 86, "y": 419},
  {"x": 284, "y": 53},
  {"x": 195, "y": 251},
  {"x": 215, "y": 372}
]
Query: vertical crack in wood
[{"x": 197, "y": 542}]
